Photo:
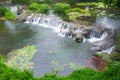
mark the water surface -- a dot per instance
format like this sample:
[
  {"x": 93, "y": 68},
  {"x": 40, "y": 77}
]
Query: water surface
[{"x": 50, "y": 47}]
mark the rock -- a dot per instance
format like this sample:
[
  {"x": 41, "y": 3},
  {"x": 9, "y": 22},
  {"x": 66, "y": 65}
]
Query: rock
[
  {"x": 97, "y": 63},
  {"x": 104, "y": 44},
  {"x": 19, "y": 12},
  {"x": 79, "y": 38},
  {"x": 96, "y": 49}
]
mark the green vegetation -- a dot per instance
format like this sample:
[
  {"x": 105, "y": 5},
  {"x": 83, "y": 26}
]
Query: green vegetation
[
  {"x": 4, "y": 12},
  {"x": 61, "y": 8},
  {"x": 111, "y": 3},
  {"x": 42, "y": 8},
  {"x": 33, "y": 6},
  {"x": 9, "y": 16},
  {"x": 24, "y": 1},
  {"x": 112, "y": 72},
  {"x": 20, "y": 58},
  {"x": 118, "y": 41}
]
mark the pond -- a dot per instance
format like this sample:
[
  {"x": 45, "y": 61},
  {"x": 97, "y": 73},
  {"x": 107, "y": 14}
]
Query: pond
[{"x": 51, "y": 48}]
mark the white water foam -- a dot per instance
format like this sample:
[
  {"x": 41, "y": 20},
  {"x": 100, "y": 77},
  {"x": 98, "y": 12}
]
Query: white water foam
[
  {"x": 94, "y": 39},
  {"x": 13, "y": 9}
]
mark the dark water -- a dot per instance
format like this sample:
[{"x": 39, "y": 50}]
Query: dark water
[{"x": 50, "y": 46}]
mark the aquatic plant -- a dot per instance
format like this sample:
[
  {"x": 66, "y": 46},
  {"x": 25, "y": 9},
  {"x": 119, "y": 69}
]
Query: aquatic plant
[{"x": 20, "y": 58}]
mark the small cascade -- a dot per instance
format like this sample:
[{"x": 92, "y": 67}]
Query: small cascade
[
  {"x": 13, "y": 9},
  {"x": 109, "y": 50},
  {"x": 97, "y": 36},
  {"x": 50, "y": 21},
  {"x": 29, "y": 19}
]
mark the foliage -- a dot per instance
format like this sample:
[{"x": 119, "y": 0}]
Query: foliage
[
  {"x": 9, "y": 15},
  {"x": 117, "y": 3},
  {"x": 91, "y": 4},
  {"x": 33, "y": 6},
  {"x": 77, "y": 12},
  {"x": 112, "y": 72},
  {"x": 24, "y": 1},
  {"x": 43, "y": 8},
  {"x": 111, "y": 3},
  {"x": 47, "y": 1},
  {"x": 61, "y": 7},
  {"x": 118, "y": 41},
  {"x": 20, "y": 58},
  {"x": 2, "y": 10}
]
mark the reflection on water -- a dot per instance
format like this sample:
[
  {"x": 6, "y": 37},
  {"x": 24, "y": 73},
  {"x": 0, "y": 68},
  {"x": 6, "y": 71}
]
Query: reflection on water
[{"x": 50, "y": 46}]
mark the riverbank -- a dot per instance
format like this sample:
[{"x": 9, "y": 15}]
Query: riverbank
[{"x": 111, "y": 72}]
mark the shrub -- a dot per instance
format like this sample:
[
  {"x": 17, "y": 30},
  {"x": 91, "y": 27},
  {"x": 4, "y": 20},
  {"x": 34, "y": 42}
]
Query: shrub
[
  {"x": 24, "y": 1},
  {"x": 43, "y": 8},
  {"x": 61, "y": 7},
  {"x": 33, "y": 6},
  {"x": 2, "y": 10},
  {"x": 47, "y": 1},
  {"x": 9, "y": 15}
]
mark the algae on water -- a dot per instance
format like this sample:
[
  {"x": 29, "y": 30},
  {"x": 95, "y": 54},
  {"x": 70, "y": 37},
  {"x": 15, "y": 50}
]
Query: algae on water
[{"x": 20, "y": 58}]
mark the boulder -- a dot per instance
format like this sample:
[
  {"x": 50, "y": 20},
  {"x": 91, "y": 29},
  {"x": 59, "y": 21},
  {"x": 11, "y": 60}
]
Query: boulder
[
  {"x": 20, "y": 11},
  {"x": 79, "y": 38},
  {"x": 103, "y": 44}
]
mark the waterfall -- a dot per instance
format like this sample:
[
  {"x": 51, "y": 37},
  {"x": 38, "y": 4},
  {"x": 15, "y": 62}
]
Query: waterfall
[
  {"x": 109, "y": 50},
  {"x": 13, "y": 9},
  {"x": 29, "y": 18},
  {"x": 97, "y": 36},
  {"x": 49, "y": 21}
]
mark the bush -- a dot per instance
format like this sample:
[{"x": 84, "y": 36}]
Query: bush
[
  {"x": 33, "y": 6},
  {"x": 61, "y": 7},
  {"x": 24, "y": 1},
  {"x": 47, "y": 1},
  {"x": 2, "y": 10},
  {"x": 43, "y": 8},
  {"x": 9, "y": 15}
]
